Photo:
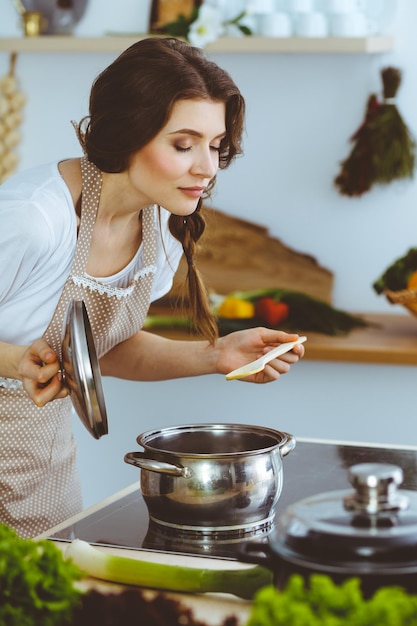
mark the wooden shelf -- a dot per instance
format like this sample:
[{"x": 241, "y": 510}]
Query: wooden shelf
[
  {"x": 328, "y": 45},
  {"x": 392, "y": 340},
  {"x": 118, "y": 43}
]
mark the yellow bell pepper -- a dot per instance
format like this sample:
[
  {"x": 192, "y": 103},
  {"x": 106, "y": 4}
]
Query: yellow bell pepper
[{"x": 236, "y": 308}]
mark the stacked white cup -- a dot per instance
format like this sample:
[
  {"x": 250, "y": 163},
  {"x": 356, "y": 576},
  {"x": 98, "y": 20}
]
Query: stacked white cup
[
  {"x": 270, "y": 21},
  {"x": 347, "y": 18},
  {"x": 308, "y": 20}
]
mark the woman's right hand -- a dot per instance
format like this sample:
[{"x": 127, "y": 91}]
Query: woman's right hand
[{"x": 39, "y": 370}]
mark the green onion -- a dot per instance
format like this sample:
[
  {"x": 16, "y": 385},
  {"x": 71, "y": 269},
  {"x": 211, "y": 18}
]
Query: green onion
[{"x": 129, "y": 571}]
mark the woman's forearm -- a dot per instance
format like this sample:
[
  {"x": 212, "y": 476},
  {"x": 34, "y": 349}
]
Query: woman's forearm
[
  {"x": 149, "y": 357},
  {"x": 10, "y": 356}
]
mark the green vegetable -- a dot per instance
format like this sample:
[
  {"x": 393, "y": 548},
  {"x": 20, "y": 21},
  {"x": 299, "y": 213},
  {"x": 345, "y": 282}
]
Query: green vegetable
[
  {"x": 125, "y": 570},
  {"x": 36, "y": 582},
  {"x": 396, "y": 275},
  {"x": 323, "y": 603}
]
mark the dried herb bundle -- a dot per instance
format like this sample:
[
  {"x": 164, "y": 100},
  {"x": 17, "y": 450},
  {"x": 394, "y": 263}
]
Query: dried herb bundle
[{"x": 384, "y": 149}]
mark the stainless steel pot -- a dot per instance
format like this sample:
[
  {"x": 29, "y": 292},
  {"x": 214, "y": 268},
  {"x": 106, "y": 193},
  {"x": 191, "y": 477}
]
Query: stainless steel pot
[{"x": 212, "y": 477}]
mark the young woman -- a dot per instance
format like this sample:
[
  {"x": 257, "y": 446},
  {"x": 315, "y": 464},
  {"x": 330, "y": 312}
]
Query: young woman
[{"x": 109, "y": 229}]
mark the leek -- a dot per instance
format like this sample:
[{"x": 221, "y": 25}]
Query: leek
[
  {"x": 167, "y": 321},
  {"x": 128, "y": 571}
]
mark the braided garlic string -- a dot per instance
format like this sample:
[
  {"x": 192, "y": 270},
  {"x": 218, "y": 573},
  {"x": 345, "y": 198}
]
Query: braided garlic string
[{"x": 12, "y": 101}]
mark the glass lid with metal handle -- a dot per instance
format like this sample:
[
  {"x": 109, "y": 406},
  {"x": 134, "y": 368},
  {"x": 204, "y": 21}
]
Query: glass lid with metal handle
[
  {"x": 81, "y": 369},
  {"x": 375, "y": 522}
]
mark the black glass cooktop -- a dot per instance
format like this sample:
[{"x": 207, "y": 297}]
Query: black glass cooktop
[{"x": 310, "y": 469}]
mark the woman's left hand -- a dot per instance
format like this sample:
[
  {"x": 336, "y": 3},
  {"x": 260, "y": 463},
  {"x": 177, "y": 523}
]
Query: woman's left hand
[{"x": 242, "y": 347}]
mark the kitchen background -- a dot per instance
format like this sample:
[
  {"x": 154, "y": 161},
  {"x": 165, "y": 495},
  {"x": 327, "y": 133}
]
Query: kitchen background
[{"x": 302, "y": 109}]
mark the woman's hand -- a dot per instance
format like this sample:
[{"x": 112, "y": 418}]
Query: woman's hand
[
  {"x": 242, "y": 347},
  {"x": 39, "y": 370}
]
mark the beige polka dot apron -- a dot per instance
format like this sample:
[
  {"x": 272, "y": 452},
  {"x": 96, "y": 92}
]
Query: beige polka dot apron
[{"x": 39, "y": 483}]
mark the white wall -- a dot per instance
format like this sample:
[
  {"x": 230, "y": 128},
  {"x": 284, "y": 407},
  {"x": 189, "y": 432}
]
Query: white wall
[{"x": 302, "y": 108}]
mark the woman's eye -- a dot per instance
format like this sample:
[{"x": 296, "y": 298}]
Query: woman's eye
[{"x": 189, "y": 148}]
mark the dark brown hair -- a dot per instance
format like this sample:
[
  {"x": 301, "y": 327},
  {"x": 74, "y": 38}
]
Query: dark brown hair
[{"x": 132, "y": 99}]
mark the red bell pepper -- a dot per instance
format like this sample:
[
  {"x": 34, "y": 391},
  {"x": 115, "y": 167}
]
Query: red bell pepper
[{"x": 270, "y": 311}]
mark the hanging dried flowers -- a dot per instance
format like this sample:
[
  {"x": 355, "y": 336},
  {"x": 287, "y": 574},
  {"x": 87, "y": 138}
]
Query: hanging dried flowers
[{"x": 383, "y": 148}]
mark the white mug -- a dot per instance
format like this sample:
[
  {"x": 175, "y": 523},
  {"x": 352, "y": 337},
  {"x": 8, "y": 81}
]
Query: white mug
[
  {"x": 311, "y": 25},
  {"x": 355, "y": 24},
  {"x": 275, "y": 25}
]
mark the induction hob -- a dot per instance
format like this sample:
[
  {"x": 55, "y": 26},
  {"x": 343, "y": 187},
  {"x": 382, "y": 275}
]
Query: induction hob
[{"x": 313, "y": 467}]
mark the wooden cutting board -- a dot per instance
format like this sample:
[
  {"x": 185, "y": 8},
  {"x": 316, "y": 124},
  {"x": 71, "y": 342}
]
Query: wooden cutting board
[{"x": 239, "y": 255}]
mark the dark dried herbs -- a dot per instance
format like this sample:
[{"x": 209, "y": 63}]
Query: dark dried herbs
[{"x": 383, "y": 147}]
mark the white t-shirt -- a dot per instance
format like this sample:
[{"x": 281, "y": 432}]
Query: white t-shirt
[{"x": 38, "y": 234}]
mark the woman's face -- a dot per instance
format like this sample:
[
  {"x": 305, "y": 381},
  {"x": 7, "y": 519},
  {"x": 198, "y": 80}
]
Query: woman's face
[{"x": 176, "y": 166}]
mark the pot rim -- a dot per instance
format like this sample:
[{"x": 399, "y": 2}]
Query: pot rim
[{"x": 284, "y": 442}]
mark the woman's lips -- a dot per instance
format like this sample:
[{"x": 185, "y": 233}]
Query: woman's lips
[{"x": 192, "y": 192}]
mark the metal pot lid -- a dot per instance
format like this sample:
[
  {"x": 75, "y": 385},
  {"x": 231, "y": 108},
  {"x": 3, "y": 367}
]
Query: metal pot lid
[
  {"x": 376, "y": 524},
  {"x": 81, "y": 369}
]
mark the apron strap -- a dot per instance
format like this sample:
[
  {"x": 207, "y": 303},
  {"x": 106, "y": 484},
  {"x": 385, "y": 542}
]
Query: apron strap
[
  {"x": 90, "y": 198},
  {"x": 149, "y": 235}
]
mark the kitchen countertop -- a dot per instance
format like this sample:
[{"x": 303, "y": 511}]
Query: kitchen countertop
[{"x": 391, "y": 340}]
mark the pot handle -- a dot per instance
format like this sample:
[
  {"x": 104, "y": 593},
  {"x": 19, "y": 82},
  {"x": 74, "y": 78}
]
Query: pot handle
[
  {"x": 257, "y": 553},
  {"x": 138, "y": 459},
  {"x": 287, "y": 445}
]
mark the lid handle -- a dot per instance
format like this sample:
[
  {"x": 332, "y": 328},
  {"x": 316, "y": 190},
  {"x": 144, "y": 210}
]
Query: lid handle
[{"x": 375, "y": 489}]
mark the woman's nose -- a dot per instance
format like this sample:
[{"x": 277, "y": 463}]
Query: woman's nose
[{"x": 207, "y": 164}]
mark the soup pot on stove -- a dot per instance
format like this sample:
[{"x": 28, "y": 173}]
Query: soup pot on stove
[{"x": 212, "y": 478}]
